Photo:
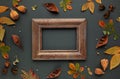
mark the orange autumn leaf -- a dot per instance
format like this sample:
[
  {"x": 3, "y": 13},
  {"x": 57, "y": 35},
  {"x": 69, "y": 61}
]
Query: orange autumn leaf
[
  {"x": 75, "y": 75},
  {"x": 72, "y": 66},
  {"x": 101, "y": 23}
]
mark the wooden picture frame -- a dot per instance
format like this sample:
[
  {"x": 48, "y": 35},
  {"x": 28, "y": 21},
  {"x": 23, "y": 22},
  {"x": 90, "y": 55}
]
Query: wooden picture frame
[{"x": 78, "y": 54}]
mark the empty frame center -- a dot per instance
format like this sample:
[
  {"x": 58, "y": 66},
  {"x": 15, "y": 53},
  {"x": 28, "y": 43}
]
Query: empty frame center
[{"x": 59, "y": 38}]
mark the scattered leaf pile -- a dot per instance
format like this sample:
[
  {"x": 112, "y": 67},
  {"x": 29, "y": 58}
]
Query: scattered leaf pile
[
  {"x": 29, "y": 75},
  {"x": 115, "y": 60},
  {"x": 66, "y": 5},
  {"x": 75, "y": 70},
  {"x": 108, "y": 28}
]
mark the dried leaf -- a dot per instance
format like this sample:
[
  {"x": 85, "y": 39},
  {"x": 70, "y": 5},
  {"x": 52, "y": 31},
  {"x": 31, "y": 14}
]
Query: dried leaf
[
  {"x": 17, "y": 41},
  {"x": 102, "y": 41},
  {"x": 85, "y": 7},
  {"x": 102, "y": 24},
  {"x": 71, "y": 72},
  {"x": 34, "y": 7},
  {"x": 99, "y": 1},
  {"x": 64, "y": 4},
  {"x": 2, "y": 33},
  {"x": 99, "y": 71},
  {"x": 89, "y": 71},
  {"x": 29, "y": 75},
  {"x": 3, "y": 9},
  {"x": 75, "y": 75},
  {"x": 118, "y": 19},
  {"x": 15, "y": 3},
  {"x": 91, "y": 6},
  {"x": 113, "y": 50},
  {"x": 72, "y": 66},
  {"x": 6, "y": 20},
  {"x": 115, "y": 61},
  {"x": 54, "y": 74},
  {"x": 104, "y": 63},
  {"x": 5, "y": 55},
  {"x": 51, "y": 7}
]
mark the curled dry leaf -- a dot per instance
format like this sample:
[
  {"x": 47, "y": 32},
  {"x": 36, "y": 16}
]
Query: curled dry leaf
[
  {"x": 102, "y": 24},
  {"x": 14, "y": 15},
  {"x": 6, "y": 20},
  {"x": 75, "y": 75},
  {"x": 3, "y": 9},
  {"x": 99, "y": 1},
  {"x": 2, "y": 33},
  {"x": 99, "y": 71},
  {"x": 102, "y": 41},
  {"x": 115, "y": 61},
  {"x": 29, "y": 75},
  {"x": 104, "y": 63},
  {"x": 17, "y": 41},
  {"x": 113, "y": 50},
  {"x": 89, "y": 71},
  {"x": 85, "y": 7},
  {"x": 56, "y": 73},
  {"x": 51, "y": 7},
  {"x": 15, "y": 3},
  {"x": 21, "y": 8}
]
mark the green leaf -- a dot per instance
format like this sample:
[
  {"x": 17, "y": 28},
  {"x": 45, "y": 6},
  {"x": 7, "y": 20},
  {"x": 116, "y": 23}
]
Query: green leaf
[
  {"x": 64, "y": 3},
  {"x": 4, "y": 49},
  {"x": 6, "y": 20},
  {"x": 77, "y": 65},
  {"x": 15, "y": 3}
]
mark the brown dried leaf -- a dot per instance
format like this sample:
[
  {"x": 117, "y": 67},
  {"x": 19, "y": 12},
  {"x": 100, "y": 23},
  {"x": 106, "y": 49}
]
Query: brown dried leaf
[
  {"x": 29, "y": 75},
  {"x": 91, "y": 6},
  {"x": 99, "y": 1},
  {"x": 54, "y": 74},
  {"x": 17, "y": 41},
  {"x": 85, "y": 7},
  {"x": 75, "y": 75},
  {"x": 115, "y": 61},
  {"x": 71, "y": 72},
  {"x": 51, "y": 7},
  {"x": 113, "y": 50},
  {"x": 6, "y": 20},
  {"x": 102, "y": 41},
  {"x": 3, "y": 9}
]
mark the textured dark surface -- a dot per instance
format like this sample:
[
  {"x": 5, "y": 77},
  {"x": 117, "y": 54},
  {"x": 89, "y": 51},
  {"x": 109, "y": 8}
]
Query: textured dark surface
[{"x": 43, "y": 68}]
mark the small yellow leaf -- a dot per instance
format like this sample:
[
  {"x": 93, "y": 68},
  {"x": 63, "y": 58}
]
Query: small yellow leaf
[
  {"x": 99, "y": 1},
  {"x": 72, "y": 66},
  {"x": 115, "y": 61},
  {"x": 85, "y": 7},
  {"x": 113, "y": 50},
  {"x": 3, "y": 9},
  {"x": 70, "y": 72},
  {"x": 2, "y": 34},
  {"x": 91, "y": 6},
  {"x": 6, "y": 20}
]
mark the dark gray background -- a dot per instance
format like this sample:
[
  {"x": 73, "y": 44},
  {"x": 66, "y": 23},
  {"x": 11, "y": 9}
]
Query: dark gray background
[{"x": 42, "y": 68}]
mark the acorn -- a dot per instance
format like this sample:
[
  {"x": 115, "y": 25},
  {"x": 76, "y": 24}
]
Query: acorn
[
  {"x": 101, "y": 7},
  {"x": 99, "y": 71},
  {"x": 104, "y": 63},
  {"x": 14, "y": 15},
  {"x": 107, "y": 15},
  {"x": 21, "y": 8},
  {"x": 111, "y": 8}
]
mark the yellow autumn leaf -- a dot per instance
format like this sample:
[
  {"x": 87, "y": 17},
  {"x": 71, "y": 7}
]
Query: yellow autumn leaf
[
  {"x": 99, "y": 1},
  {"x": 70, "y": 72},
  {"x": 6, "y": 20},
  {"x": 72, "y": 66},
  {"x": 85, "y": 7},
  {"x": 2, "y": 33},
  {"x": 91, "y": 6},
  {"x": 3, "y": 9},
  {"x": 113, "y": 50},
  {"x": 115, "y": 61}
]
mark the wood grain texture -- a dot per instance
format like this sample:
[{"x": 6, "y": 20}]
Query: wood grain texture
[{"x": 78, "y": 54}]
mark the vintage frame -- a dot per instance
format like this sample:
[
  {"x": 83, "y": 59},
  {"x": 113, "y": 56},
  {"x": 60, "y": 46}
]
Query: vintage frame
[{"x": 78, "y": 54}]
